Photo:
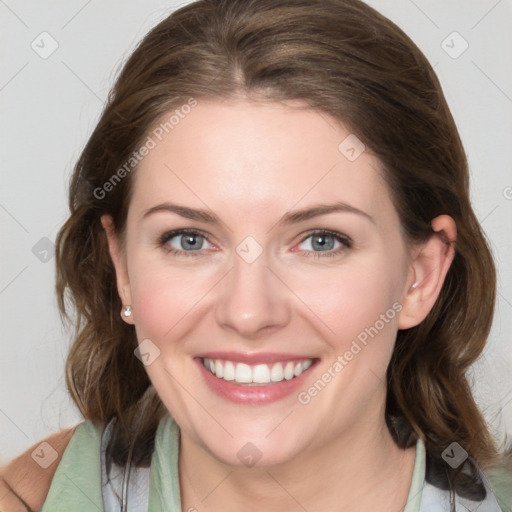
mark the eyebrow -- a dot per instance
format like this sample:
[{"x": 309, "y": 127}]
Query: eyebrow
[{"x": 289, "y": 218}]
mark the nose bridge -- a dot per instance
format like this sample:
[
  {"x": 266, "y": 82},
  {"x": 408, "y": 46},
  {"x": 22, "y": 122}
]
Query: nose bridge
[{"x": 252, "y": 299}]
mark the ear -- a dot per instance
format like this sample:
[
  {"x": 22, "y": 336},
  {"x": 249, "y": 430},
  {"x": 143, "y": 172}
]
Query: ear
[
  {"x": 119, "y": 260},
  {"x": 430, "y": 264}
]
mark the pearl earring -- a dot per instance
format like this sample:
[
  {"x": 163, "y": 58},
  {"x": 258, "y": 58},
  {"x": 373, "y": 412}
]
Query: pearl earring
[
  {"x": 415, "y": 285},
  {"x": 127, "y": 311}
]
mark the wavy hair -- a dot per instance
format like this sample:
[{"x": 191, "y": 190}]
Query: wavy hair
[{"x": 342, "y": 58}]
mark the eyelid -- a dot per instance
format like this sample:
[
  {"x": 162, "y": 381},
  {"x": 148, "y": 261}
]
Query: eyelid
[
  {"x": 345, "y": 241},
  {"x": 335, "y": 234},
  {"x": 346, "y": 244},
  {"x": 166, "y": 236},
  {"x": 172, "y": 233}
]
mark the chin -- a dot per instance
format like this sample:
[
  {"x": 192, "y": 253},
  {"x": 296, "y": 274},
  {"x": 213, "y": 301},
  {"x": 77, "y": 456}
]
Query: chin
[{"x": 255, "y": 449}]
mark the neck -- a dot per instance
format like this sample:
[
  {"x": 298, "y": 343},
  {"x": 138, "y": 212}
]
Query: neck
[{"x": 362, "y": 470}]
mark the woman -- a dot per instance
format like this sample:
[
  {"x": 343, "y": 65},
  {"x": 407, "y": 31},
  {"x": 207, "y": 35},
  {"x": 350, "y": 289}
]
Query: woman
[{"x": 279, "y": 280}]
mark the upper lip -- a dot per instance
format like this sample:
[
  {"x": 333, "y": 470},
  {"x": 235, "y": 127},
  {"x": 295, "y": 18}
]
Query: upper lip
[{"x": 254, "y": 358}]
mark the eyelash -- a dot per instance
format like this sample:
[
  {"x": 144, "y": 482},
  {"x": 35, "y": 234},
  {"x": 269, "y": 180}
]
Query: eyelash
[{"x": 343, "y": 239}]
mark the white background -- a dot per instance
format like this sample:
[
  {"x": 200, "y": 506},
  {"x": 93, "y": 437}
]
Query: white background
[{"x": 50, "y": 106}]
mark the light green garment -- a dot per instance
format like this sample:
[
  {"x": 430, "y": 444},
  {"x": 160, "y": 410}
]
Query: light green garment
[
  {"x": 418, "y": 476},
  {"x": 501, "y": 480},
  {"x": 76, "y": 486}
]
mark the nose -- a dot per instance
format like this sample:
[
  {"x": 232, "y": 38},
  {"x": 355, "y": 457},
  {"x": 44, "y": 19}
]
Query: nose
[{"x": 252, "y": 300}]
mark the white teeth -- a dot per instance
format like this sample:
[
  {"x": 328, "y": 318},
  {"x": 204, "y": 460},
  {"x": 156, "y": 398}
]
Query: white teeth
[
  {"x": 306, "y": 364},
  {"x": 219, "y": 369},
  {"x": 229, "y": 371},
  {"x": 243, "y": 373},
  {"x": 259, "y": 374},
  {"x": 276, "y": 373},
  {"x": 288, "y": 371}
]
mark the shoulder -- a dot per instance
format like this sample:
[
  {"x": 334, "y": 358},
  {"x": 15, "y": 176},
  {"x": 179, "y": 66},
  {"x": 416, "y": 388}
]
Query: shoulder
[{"x": 25, "y": 480}]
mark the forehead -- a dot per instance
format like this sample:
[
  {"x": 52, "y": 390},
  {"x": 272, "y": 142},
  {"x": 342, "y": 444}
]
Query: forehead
[{"x": 248, "y": 156}]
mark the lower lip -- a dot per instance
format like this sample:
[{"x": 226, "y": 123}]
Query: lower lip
[{"x": 258, "y": 395}]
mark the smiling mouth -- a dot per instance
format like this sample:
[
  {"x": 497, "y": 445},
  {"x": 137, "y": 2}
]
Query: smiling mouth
[{"x": 258, "y": 374}]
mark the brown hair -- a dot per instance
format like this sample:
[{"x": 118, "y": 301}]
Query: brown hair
[{"x": 342, "y": 58}]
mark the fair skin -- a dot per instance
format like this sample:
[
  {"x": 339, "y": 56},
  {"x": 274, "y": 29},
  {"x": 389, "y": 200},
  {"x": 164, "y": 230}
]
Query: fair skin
[{"x": 249, "y": 164}]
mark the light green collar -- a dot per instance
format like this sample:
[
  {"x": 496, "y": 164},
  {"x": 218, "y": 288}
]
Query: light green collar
[
  {"x": 164, "y": 469},
  {"x": 76, "y": 485},
  {"x": 418, "y": 477},
  {"x": 164, "y": 487}
]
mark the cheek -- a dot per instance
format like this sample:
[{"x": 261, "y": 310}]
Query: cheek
[
  {"x": 353, "y": 302},
  {"x": 163, "y": 297}
]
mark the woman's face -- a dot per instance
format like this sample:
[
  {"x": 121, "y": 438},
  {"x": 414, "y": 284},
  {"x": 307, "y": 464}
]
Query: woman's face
[{"x": 264, "y": 285}]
